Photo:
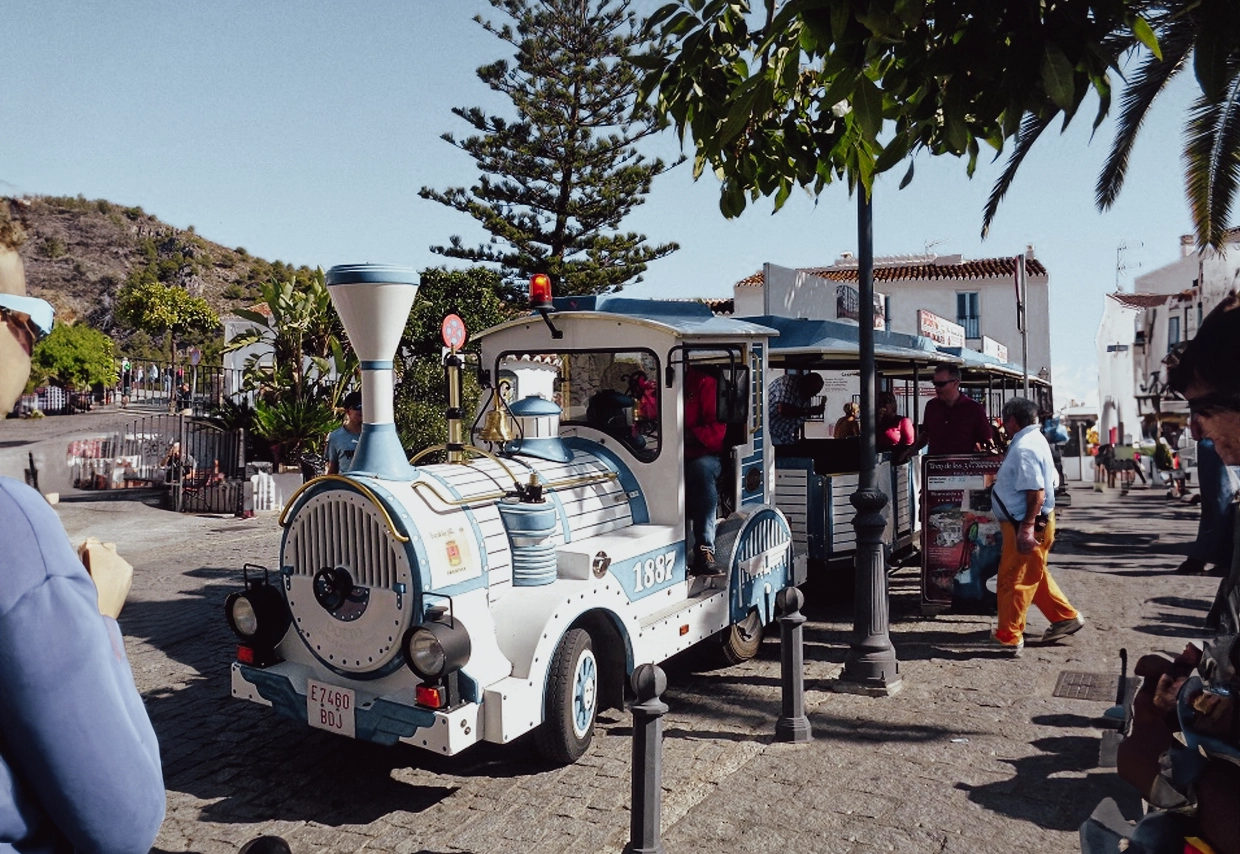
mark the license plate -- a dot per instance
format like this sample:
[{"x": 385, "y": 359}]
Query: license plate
[{"x": 331, "y": 708}]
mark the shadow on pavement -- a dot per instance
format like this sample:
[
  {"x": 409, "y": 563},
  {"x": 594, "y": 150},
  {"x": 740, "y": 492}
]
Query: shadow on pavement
[{"x": 1041, "y": 794}]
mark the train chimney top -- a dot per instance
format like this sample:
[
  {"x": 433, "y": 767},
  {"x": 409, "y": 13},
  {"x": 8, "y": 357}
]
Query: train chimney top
[{"x": 373, "y": 301}]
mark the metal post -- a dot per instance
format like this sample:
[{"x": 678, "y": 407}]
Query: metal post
[
  {"x": 1024, "y": 327},
  {"x": 649, "y": 682},
  {"x": 870, "y": 667},
  {"x": 792, "y": 725}
]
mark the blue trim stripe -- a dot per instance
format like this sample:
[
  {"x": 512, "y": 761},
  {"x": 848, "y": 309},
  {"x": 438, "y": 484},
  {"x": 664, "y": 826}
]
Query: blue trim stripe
[
  {"x": 632, "y": 489},
  {"x": 377, "y": 365}
]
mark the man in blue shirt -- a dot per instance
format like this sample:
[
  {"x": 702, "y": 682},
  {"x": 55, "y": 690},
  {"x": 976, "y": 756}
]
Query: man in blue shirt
[
  {"x": 1024, "y": 501},
  {"x": 342, "y": 442}
]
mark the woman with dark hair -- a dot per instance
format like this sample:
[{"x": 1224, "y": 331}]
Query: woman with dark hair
[{"x": 894, "y": 430}]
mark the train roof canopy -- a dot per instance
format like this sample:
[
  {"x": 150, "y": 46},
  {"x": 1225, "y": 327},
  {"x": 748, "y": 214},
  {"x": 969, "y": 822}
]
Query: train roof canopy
[{"x": 686, "y": 319}]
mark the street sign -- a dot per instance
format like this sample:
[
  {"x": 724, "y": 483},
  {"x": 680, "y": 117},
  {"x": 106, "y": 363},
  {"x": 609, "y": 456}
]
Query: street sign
[
  {"x": 453, "y": 331},
  {"x": 195, "y": 356}
]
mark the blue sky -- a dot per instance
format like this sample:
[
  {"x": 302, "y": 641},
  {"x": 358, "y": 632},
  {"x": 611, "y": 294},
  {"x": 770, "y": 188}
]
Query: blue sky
[{"x": 304, "y": 131}]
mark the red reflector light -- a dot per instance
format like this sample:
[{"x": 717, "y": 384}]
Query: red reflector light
[
  {"x": 684, "y": 630},
  {"x": 431, "y": 696},
  {"x": 540, "y": 290},
  {"x": 245, "y": 654}
]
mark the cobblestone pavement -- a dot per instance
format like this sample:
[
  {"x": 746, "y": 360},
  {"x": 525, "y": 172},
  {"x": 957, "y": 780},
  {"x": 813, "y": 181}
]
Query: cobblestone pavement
[{"x": 973, "y": 755}]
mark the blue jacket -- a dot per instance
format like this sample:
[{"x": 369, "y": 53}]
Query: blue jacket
[{"x": 79, "y": 762}]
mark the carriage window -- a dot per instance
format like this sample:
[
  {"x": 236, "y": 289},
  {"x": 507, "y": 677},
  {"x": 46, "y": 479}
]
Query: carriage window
[{"x": 614, "y": 391}]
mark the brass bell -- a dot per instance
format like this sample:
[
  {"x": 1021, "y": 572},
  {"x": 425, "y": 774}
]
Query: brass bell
[{"x": 497, "y": 428}]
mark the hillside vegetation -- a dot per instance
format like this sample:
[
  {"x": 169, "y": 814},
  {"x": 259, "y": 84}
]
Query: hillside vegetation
[{"x": 79, "y": 253}]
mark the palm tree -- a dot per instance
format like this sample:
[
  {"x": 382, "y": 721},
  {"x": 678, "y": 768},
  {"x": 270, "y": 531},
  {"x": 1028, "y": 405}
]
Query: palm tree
[{"x": 1164, "y": 36}]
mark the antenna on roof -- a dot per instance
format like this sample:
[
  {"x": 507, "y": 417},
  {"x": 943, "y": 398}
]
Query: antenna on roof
[
  {"x": 930, "y": 244},
  {"x": 1120, "y": 264}
]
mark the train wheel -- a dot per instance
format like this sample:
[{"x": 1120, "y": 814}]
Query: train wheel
[
  {"x": 572, "y": 700},
  {"x": 741, "y": 641}
]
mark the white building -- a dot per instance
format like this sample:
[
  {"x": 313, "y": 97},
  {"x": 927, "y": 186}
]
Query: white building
[
  {"x": 1139, "y": 329},
  {"x": 980, "y": 295}
]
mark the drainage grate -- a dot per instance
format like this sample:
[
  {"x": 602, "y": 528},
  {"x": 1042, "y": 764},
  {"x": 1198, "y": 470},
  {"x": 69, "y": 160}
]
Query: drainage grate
[{"x": 1099, "y": 687}]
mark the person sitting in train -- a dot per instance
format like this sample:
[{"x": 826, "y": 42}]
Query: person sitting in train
[
  {"x": 791, "y": 405},
  {"x": 850, "y": 425},
  {"x": 893, "y": 430}
]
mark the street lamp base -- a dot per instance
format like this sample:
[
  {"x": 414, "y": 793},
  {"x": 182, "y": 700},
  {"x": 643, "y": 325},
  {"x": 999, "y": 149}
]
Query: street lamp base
[
  {"x": 874, "y": 688},
  {"x": 794, "y": 730}
]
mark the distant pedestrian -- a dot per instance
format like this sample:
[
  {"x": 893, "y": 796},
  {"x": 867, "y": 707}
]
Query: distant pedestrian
[
  {"x": 1024, "y": 496},
  {"x": 792, "y": 404},
  {"x": 953, "y": 422}
]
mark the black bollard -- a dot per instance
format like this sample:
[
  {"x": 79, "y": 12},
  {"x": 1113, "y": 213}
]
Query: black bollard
[
  {"x": 792, "y": 725},
  {"x": 649, "y": 682}
]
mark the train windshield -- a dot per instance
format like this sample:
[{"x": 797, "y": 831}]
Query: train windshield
[{"x": 615, "y": 391}]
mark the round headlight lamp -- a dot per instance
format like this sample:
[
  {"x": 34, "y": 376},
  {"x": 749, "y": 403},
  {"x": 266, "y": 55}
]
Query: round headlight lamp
[
  {"x": 434, "y": 649},
  {"x": 241, "y": 617},
  {"x": 258, "y": 615}
]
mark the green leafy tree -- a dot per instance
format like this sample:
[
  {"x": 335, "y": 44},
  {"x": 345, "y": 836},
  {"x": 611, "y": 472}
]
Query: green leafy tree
[
  {"x": 163, "y": 311},
  {"x": 812, "y": 92},
  {"x": 302, "y": 330},
  {"x": 421, "y": 394},
  {"x": 73, "y": 357},
  {"x": 557, "y": 181}
]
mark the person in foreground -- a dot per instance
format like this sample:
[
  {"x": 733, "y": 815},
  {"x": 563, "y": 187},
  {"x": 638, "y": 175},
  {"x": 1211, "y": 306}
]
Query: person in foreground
[
  {"x": 704, "y": 435},
  {"x": 1024, "y": 500},
  {"x": 79, "y": 762},
  {"x": 1205, "y": 372}
]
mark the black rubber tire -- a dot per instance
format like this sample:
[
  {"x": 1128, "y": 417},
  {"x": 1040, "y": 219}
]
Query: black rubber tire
[
  {"x": 734, "y": 645},
  {"x": 560, "y": 739}
]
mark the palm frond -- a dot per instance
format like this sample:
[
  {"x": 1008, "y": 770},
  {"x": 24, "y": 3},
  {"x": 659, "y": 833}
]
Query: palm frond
[
  {"x": 1031, "y": 128},
  {"x": 1212, "y": 160},
  {"x": 1176, "y": 38}
]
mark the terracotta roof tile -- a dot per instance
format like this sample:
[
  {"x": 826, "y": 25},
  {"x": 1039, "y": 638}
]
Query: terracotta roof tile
[
  {"x": 981, "y": 268},
  {"x": 1140, "y": 300}
]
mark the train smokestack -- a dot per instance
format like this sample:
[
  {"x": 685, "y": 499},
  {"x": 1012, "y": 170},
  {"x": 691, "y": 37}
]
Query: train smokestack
[{"x": 373, "y": 301}]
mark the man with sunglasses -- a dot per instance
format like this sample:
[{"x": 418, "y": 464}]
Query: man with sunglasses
[
  {"x": 1206, "y": 372},
  {"x": 953, "y": 423},
  {"x": 79, "y": 761}
]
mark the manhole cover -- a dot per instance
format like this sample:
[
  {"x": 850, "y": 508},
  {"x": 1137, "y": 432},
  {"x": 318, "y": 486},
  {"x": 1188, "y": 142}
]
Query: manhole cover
[{"x": 1075, "y": 685}]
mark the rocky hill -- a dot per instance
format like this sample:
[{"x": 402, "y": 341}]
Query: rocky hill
[{"x": 79, "y": 253}]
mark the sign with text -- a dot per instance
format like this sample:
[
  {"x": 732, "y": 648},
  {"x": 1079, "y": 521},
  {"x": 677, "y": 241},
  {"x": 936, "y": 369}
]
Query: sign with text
[
  {"x": 848, "y": 305},
  {"x": 991, "y": 347},
  {"x": 940, "y": 330},
  {"x": 962, "y": 542}
]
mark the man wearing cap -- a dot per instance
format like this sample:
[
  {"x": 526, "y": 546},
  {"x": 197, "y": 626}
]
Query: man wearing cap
[
  {"x": 79, "y": 761},
  {"x": 342, "y": 442}
]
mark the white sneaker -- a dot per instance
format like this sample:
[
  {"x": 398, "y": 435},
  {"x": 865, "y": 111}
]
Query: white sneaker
[
  {"x": 1063, "y": 628},
  {"x": 1015, "y": 650}
]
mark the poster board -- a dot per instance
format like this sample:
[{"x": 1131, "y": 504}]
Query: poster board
[{"x": 961, "y": 537}]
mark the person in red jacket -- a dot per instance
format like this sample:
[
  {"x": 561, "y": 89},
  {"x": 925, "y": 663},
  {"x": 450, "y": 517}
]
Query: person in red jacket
[
  {"x": 703, "y": 443},
  {"x": 894, "y": 430}
]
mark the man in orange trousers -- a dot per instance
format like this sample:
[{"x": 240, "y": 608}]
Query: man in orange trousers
[{"x": 1024, "y": 498}]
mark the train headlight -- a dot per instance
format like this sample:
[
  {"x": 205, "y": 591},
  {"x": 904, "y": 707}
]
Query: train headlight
[
  {"x": 241, "y": 616},
  {"x": 258, "y": 615},
  {"x": 435, "y": 649}
]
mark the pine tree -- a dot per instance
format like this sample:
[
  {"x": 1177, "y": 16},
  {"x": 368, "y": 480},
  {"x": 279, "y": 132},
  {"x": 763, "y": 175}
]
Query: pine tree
[{"x": 557, "y": 181}]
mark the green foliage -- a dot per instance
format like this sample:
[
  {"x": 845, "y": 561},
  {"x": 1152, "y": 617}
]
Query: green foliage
[
  {"x": 421, "y": 395},
  {"x": 557, "y": 181},
  {"x": 299, "y": 324},
  {"x": 813, "y": 92},
  {"x": 73, "y": 357},
  {"x": 160, "y": 310},
  {"x": 297, "y": 425}
]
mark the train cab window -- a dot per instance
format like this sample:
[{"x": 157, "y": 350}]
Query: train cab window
[{"x": 613, "y": 391}]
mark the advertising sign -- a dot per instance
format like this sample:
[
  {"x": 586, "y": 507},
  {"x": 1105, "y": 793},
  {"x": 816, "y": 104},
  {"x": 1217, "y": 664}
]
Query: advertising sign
[
  {"x": 940, "y": 330},
  {"x": 991, "y": 347},
  {"x": 962, "y": 541}
]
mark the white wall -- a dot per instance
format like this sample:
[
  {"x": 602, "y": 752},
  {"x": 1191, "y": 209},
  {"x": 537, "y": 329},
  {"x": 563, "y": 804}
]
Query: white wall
[{"x": 1117, "y": 369}]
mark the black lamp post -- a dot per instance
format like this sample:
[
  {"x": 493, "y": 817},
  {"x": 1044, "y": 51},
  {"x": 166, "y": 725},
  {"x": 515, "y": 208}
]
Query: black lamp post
[{"x": 870, "y": 667}]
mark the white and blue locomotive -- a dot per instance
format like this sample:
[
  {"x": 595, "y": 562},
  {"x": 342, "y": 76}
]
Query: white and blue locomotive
[{"x": 514, "y": 588}]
